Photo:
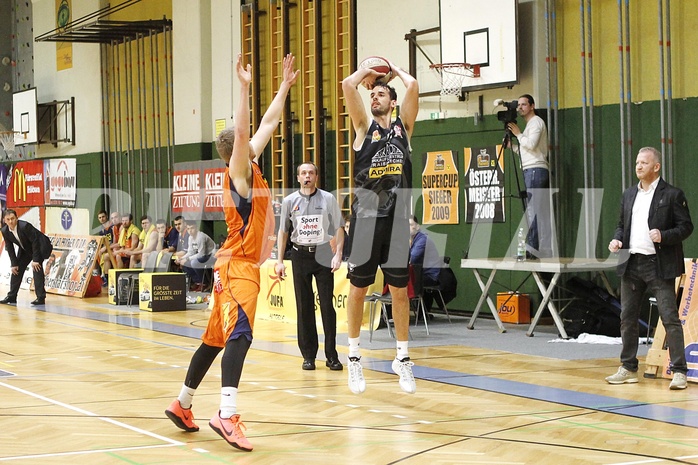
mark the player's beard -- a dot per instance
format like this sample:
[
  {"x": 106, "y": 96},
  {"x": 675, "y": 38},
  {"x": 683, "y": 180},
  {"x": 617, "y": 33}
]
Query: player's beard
[{"x": 380, "y": 110}]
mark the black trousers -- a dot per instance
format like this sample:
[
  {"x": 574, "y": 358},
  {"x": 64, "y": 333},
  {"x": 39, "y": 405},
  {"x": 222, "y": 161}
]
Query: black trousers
[
  {"x": 24, "y": 258},
  {"x": 307, "y": 265}
]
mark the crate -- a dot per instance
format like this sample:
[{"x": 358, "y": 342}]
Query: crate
[
  {"x": 118, "y": 286},
  {"x": 513, "y": 307}
]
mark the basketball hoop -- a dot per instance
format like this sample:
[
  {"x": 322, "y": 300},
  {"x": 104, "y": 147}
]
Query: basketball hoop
[
  {"x": 7, "y": 139},
  {"x": 453, "y": 75}
]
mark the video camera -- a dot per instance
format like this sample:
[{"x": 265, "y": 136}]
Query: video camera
[{"x": 509, "y": 115}]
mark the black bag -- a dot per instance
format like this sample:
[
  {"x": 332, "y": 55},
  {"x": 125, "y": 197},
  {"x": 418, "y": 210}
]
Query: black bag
[
  {"x": 585, "y": 317},
  {"x": 593, "y": 311},
  {"x": 590, "y": 292}
]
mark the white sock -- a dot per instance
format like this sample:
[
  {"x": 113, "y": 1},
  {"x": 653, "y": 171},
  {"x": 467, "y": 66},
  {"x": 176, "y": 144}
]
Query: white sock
[
  {"x": 229, "y": 397},
  {"x": 402, "y": 351},
  {"x": 186, "y": 395},
  {"x": 354, "y": 347}
]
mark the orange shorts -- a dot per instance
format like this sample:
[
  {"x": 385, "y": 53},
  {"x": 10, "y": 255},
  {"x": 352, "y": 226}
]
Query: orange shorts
[{"x": 235, "y": 290}]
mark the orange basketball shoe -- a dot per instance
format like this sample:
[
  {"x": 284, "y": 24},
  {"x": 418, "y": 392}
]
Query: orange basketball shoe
[
  {"x": 229, "y": 429},
  {"x": 182, "y": 417}
]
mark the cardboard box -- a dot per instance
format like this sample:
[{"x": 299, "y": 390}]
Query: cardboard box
[{"x": 513, "y": 307}]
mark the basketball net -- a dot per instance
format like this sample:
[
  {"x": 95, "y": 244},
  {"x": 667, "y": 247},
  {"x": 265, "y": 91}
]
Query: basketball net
[
  {"x": 453, "y": 75},
  {"x": 7, "y": 139}
]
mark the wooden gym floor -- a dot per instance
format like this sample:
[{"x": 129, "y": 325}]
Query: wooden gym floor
[{"x": 81, "y": 381}]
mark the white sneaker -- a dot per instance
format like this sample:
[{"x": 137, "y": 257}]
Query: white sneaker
[
  {"x": 622, "y": 376},
  {"x": 357, "y": 383},
  {"x": 403, "y": 368},
  {"x": 679, "y": 382}
]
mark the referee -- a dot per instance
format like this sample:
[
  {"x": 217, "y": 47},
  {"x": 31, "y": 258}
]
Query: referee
[{"x": 311, "y": 216}]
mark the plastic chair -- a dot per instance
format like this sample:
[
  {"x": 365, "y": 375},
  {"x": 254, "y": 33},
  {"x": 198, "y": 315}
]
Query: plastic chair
[
  {"x": 414, "y": 286},
  {"x": 148, "y": 267},
  {"x": 164, "y": 262},
  {"x": 207, "y": 276},
  {"x": 375, "y": 299},
  {"x": 415, "y": 292}
]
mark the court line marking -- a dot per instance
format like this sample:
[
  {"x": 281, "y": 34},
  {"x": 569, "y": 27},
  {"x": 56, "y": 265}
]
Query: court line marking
[
  {"x": 170, "y": 442},
  {"x": 84, "y": 452},
  {"x": 603, "y": 403},
  {"x": 373, "y": 362}
]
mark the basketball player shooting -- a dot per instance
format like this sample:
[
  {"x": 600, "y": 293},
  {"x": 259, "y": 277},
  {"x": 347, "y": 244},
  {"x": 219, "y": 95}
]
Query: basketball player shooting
[{"x": 382, "y": 204}]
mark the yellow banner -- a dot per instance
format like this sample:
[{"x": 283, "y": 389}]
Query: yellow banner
[
  {"x": 277, "y": 299},
  {"x": 64, "y": 50},
  {"x": 440, "y": 189}
]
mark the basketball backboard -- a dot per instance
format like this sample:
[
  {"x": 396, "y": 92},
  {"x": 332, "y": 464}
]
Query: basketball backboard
[
  {"x": 481, "y": 33},
  {"x": 24, "y": 117}
]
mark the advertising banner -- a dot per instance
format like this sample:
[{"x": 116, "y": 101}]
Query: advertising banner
[
  {"x": 688, "y": 315},
  {"x": 277, "y": 299},
  {"x": 160, "y": 292},
  {"x": 68, "y": 221},
  {"x": 484, "y": 185},
  {"x": 197, "y": 189},
  {"x": 61, "y": 182},
  {"x": 214, "y": 176},
  {"x": 440, "y": 188},
  {"x": 69, "y": 268},
  {"x": 3, "y": 186},
  {"x": 64, "y": 50},
  {"x": 26, "y": 184}
]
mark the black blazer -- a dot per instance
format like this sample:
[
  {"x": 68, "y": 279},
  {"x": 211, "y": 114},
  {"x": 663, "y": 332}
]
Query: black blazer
[
  {"x": 669, "y": 214},
  {"x": 34, "y": 242}
]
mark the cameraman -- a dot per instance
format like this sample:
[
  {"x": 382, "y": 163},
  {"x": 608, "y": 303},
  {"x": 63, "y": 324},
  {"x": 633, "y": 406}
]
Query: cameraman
[{"x": 533, "y": 149}]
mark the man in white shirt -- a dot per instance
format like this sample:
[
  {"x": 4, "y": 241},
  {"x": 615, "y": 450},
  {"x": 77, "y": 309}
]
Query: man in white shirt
[
  {"x": 32, "y": 247},
  {"x": 533, "y": 149},
  {"x": 654, "y": 222}
]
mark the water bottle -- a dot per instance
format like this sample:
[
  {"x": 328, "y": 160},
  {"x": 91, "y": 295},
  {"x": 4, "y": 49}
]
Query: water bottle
[{"x": 521, "y": 247}]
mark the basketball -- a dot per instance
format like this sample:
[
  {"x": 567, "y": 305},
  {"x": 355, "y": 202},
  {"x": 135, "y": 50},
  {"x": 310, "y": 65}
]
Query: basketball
[{"x": 380, "y": 65}]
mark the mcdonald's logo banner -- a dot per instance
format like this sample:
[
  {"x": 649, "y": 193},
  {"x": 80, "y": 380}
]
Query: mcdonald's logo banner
[{"x": 25, "y": 186}]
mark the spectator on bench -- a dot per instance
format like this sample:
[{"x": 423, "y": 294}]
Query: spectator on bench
[
  {"x": 128, "y": 241},
  {"x": 147, "y": 241},
  {"x": 199, "y": 252}
]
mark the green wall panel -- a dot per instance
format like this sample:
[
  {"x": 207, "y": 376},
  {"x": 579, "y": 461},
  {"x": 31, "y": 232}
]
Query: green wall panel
[{"x": 456, "y": 133}]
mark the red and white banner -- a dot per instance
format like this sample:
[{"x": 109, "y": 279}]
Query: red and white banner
[
  {"x": 197, "y": 189},
  {"x": 26, "y": 184},
  {"x": 186, "y": 190},
  {"x": 61, "y": 182}
]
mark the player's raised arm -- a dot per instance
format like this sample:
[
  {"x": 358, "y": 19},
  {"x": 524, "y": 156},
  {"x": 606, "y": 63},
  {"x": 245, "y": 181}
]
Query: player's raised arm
[
  {"x": 355, "y": 105},
  {"x": 410, "y": 102},
  {"x": 239, "y": 164}
]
